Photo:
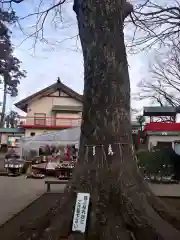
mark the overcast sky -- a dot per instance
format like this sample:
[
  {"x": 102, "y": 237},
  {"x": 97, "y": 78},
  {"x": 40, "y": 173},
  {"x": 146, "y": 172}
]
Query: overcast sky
[{"x": 60, "y": 58}]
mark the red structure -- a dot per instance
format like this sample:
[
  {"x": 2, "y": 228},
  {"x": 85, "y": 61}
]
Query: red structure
[
  {"x": 162, "y": 126},
  {"x": 162, "y": 129},
  {"x": 161, "y": 119}
]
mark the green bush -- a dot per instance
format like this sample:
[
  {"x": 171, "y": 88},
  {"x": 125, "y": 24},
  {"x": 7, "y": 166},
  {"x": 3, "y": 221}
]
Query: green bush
[{"x": 156, "y": 163}]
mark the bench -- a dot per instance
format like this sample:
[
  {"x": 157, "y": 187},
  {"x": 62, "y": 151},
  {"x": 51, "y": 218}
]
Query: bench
[{"x": 48, "y": 183}]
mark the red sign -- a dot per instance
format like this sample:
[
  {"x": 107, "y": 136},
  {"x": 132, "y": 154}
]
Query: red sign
[{"x": 160, "y": 126}]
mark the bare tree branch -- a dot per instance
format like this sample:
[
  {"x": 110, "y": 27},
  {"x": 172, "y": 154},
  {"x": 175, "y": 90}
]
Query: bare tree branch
[
  {"x": 163, "y": 87},
  {"x": 155, "y": 23},
  {"x": 46, "y": 14}
]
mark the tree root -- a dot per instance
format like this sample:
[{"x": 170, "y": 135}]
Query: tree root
[{"x": 166, "y": 212}]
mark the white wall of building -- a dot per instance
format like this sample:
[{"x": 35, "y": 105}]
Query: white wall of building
[{"x": 152, "y": 140}]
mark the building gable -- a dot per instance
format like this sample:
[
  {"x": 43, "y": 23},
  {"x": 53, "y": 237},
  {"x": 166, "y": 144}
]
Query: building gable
[
  {"x": 63, "y": 94},
  {"x": 58, "y": 93},
  {"x": 56, "y": 90},
  {"x": 49, "y": 104},
  {"x": 55, "y": 94}
]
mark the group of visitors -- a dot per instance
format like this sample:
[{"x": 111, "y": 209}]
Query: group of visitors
[{"x": 68, "y": 153}]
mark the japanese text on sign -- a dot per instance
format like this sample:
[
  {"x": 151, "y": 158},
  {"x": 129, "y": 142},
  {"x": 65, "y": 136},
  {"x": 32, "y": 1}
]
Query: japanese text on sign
[{"x": 80, "y": 213}]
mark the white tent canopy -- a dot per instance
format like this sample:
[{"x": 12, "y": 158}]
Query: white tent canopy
[{"x": 62, "y": 137}]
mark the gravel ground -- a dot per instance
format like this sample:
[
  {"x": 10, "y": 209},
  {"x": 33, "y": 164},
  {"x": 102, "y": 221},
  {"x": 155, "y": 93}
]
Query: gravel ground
[
  {"x": 18, "y": 192},
  {"x": 166, "y": 190}
]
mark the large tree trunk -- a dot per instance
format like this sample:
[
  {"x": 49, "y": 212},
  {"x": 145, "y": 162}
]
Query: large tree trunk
[{"x": 122, "y": 206}]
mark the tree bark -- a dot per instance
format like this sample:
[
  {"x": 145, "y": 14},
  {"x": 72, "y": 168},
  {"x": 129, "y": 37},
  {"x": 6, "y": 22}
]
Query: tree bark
[
  {"x": 3, "y": 105},
  {"x": 122, "y": 206}
]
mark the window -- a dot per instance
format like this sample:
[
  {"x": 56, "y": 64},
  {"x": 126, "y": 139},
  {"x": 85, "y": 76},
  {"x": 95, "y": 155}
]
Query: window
[
  {"x": 177, "y": 148},
  {"x": 32, "y": 134},
  {"x": 162, "y": 145},
  {"x": 39, "y": 119}
]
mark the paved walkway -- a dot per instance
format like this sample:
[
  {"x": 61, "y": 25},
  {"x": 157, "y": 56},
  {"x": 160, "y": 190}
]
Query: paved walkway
[{"x": 18, "y": 192}]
